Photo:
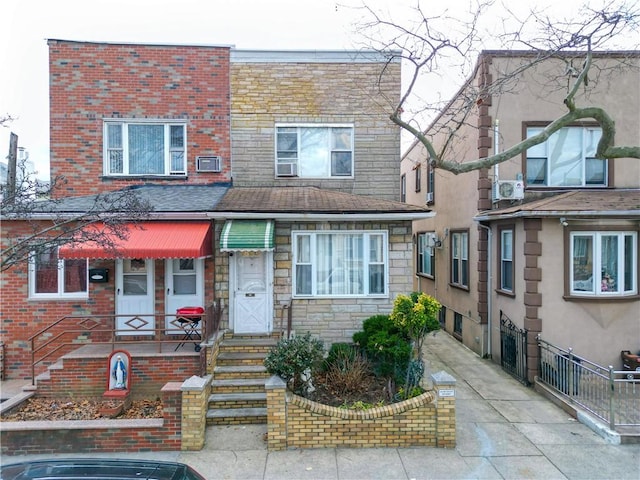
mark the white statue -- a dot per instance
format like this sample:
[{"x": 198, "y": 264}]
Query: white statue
[{"x": 120, "y": 374}]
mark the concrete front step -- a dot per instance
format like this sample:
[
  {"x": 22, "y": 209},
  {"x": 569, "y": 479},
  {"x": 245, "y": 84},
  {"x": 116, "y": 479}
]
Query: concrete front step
[
  {"x": 248, "y": 345},
  {"x": 231, "y": 416},
  {"x": 226, "y": 372},
  {"x": 237, "y": 400},
  {"x": 240, "y": 358},
  {"x": 238, "y": 385}
]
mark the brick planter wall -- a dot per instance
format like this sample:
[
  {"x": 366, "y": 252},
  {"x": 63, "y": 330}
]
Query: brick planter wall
[
  {"x": 181, "y": 428},
  {"x": 88, "y": 436},
  {"x": 426, "y": 420}
]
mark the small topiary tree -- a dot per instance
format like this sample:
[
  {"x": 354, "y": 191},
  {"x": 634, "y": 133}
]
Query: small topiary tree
[
  {"x": 295, "y": 360},
  {"x": 417, "y": 315}
]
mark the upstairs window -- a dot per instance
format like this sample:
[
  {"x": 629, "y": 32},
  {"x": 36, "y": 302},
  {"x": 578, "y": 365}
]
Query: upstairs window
[
  {"x": 314, "y": 151},
  {"x": 144, "y": 148},
  {"x": 403, "y": 188},
  {"x": 53, "y": 277},
  {"x": 566, "y": 159},
  {"x": 603, "y": 264},
  {"x": 418, "y": 178}
]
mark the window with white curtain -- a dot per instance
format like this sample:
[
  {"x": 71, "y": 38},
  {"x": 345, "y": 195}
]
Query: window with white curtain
[
  {"x": 338, "y": 264},
  {"x": 603, "y": 264},
  {"x": 566, "y": 159},
  {"x": 144, "y": 148}
]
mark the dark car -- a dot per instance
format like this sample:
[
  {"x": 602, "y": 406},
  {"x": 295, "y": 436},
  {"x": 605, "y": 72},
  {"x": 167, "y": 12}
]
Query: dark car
[{"x": 98, "y": 469}]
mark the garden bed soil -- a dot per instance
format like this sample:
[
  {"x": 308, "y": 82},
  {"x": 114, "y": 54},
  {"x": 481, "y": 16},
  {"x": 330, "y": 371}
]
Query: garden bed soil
[{"x": 39, "y": 409}]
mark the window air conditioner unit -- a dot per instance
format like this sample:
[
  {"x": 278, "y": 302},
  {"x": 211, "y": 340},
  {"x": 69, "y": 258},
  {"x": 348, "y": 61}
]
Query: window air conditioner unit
[
  {"x": 510, "y": 190},
  {"x": 208, "y": 164},
  {"x": 429, "y": 197},
  {"x": 287, "y": 170}
]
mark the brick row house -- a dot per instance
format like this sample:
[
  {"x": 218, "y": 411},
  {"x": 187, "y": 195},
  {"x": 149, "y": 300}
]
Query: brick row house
[
  {"x": 272, "y": 177},
  {"x": 547, "y": 241}
]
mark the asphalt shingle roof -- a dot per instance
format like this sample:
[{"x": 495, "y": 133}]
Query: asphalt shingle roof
[
  {"x": 578, "y": 202},
  {"x": 307, "y": 200}
]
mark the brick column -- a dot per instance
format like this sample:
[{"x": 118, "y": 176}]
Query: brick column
[
  {"x": 195, "y": 397},
  {"x": 171, "y": 408},
  {"x": 445, "y": 386},
  {"x": 276, "y": 413}
]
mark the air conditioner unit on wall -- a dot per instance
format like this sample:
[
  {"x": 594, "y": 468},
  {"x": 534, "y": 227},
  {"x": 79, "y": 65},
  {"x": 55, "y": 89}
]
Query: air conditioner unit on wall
[
  {"x": 429, "y": 197},
  {"x": 510, "y": 190},
  {"x": 286, "y": 170},
  {"x": 208, "y": 164}
]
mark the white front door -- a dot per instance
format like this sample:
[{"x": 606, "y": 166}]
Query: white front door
[
  {"x": 252, "y": 283},
  {"x": 184, "y": 281},
  {"x": 135, "y": 297}
]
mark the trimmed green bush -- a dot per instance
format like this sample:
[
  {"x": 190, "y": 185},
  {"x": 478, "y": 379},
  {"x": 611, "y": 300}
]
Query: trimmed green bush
[{"x": 295, "y": 360}]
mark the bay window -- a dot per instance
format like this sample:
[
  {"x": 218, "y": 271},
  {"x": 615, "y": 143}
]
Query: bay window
[
  {"x": 330, "y": 264},
  {"x": 603, "y": 264},
  {"x": 144, "y": 148},
  {"x": 50, "y": 276}
]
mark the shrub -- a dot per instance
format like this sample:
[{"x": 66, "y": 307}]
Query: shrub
[
  {"x": 295, "y": 360},
  {"x": 386, "y": 345},
  {"x": 347, "y": 370}
]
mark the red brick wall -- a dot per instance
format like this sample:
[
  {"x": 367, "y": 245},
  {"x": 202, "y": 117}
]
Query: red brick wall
[
  {"x": 92, "y": 81},
  {"x": 21, "y": 317}
]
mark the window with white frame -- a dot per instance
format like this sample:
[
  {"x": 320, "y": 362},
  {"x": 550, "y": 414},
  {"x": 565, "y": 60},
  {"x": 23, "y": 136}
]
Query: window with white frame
[
  {"x": 403, "y": 188},
  {"x": 330, "y": 264},
  {"x": 50, "y": 276},
  {"x": 144, "y": 148},
  {"x": 418, "y": 178},
  {"x": 314, "y": 151},
  {"x": 506, "y": 259},
  {"x": 460, "y": 259},
  {"x": 427, "y": 254},
  {"x": 603, "y": 263},
  {"x": 566, "y": 159}
]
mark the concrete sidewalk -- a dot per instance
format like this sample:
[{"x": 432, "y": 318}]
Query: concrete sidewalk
[{"x": 504, "y": 430}]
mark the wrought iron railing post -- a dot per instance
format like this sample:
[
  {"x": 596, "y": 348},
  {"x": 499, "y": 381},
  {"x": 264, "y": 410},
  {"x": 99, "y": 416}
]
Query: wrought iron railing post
[
  {"x": 612, "y": 397},
  {"x": 570, "y": 369}
]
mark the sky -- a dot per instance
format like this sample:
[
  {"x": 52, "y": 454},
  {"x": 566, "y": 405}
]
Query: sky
[{"x": 25, "y": 25}]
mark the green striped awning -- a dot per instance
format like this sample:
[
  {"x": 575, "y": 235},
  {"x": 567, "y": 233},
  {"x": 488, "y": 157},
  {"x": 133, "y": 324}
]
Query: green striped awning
[{"x": 256, "y": 235}]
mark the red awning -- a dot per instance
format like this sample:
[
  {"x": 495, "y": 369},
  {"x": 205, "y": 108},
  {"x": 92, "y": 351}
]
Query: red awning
[{"x": 150, "y": 240}]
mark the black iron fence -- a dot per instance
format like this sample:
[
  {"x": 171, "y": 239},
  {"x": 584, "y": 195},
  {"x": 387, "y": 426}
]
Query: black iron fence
[{"x": 513, "y": 349}]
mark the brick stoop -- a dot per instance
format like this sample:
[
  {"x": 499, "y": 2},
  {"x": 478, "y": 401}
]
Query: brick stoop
[{"x": 238, "y": 394}]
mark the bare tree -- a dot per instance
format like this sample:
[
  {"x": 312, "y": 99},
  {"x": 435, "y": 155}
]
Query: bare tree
[
  {"x": 39, "y": 222},
  {"x": 431, "y": 41}
]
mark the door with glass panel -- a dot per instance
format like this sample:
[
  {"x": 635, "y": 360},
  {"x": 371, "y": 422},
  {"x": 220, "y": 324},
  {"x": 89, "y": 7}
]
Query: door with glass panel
[
  {"x": 184, "y": 282},
  {"x": 135, "y": 306},
  {"x": 252, "y": 285}
]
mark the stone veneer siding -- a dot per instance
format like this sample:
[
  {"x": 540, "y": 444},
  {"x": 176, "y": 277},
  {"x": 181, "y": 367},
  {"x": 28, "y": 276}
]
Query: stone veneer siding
[
  {"x": 304, "y": 92},
  {"x": 425, "y": 420}
]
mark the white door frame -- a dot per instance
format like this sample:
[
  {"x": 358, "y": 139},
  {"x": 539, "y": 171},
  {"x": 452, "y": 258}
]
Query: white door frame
[
  {"x": 233, "y": 321},
  {"x": 140, "y": 306},
  {"x": 173, "y": 302}
]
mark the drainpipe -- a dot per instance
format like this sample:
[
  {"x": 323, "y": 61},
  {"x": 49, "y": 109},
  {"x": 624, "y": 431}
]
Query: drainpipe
[{"x": 489, "y": 283}]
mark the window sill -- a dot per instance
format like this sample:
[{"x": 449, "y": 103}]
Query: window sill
[
  {"x": 505, "y": 293},
  {"x": 338, "y": 297},
  {"x": 144, "y": 177},
  {"x": 459, "y": 287},
  {"x": 601, "y": 298},
  {"x": 58, "y": 298},
  {"x": 427, "y": 276}
]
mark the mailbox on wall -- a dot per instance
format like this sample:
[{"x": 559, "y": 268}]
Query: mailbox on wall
[{"x": 98, "y": 275}]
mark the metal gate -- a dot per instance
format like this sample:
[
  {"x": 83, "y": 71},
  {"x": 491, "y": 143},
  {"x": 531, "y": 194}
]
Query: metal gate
[{"x": 513, "y": 349}]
